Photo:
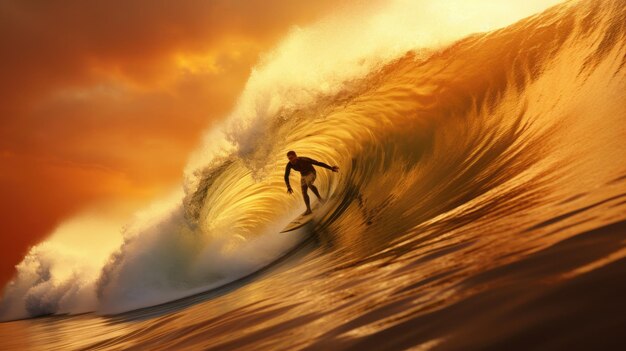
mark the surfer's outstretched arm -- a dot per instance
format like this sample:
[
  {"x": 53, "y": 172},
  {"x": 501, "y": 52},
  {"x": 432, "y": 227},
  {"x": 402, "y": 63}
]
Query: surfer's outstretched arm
[
  {"x": 287, "y": 172},
  {"x": 322, "y": 164}
]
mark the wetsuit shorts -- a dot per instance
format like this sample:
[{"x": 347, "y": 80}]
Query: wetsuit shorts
[{"x": 307, "y": 179}]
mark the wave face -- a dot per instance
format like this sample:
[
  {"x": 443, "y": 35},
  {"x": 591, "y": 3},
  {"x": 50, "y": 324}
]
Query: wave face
[{"x": 482, "y": 187}]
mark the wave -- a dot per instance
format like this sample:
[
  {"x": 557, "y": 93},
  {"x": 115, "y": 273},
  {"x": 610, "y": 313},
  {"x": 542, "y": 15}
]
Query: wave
[{"x": 427, "y": 134}]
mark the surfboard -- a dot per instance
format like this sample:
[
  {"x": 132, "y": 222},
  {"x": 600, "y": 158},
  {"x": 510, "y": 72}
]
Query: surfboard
[
  {"x": 303, "y": 220},
  {"x": 300, "y": 221}
]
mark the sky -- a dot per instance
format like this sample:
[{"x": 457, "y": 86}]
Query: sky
[{"x": 104, "y": 100}]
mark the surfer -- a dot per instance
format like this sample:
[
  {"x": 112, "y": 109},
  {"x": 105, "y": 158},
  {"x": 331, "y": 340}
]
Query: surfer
[{"x": 304, "y": 165}]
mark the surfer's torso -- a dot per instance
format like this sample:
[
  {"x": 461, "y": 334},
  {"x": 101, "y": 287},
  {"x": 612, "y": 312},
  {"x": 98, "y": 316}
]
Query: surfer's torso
[{"x": 304, "y": 165}]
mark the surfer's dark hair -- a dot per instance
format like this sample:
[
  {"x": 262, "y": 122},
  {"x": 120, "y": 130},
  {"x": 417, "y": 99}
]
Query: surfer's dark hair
[{"x": 291, "y": 153}]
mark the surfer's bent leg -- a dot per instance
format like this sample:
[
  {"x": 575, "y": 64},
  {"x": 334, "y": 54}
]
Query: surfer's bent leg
[
  {"x": 306, "y": 181},
  {"x": 305, "y": 195},
  {"x": 315, "y": 191},
  {"x": 309, "y": 179}
]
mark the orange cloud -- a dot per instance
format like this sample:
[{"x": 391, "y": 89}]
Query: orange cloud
[{"x": 73, "y": 42}]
